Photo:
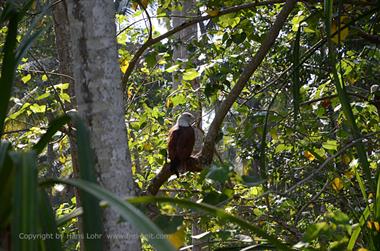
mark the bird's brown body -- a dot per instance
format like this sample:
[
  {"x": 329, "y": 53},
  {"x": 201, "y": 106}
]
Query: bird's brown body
[{"x": 180, "y": 146}]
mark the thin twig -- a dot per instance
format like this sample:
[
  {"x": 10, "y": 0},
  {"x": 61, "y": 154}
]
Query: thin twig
[
  {"x": 324, "y": 164},
  {"x": 42, "y": 68},
  {"x": 184, "y": 25}
]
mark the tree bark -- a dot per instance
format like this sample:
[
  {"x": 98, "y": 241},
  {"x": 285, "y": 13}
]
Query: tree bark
[
  {"x": 100, "y": 103},
  {"x": 63, "y": 45}
]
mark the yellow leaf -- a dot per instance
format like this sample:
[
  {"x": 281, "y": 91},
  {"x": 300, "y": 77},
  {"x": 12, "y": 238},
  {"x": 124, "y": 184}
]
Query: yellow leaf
[
  {"x": 346, "y": 159},
  {"x": 26, "y": 78},
  {"x": 273, "y": 134},
  {"x": 309, "y": 155},
  {"x": 362, "y": 249},
  {"x": 349, "y": 174},
  {"x": 169, "y": 102},
  {"x": 177, "y": 239},
  {"x": 212, "y": 13},
  {"x": 369, "y": 224},
  {"x": 124, "y": 66},
  {"x": 62, "y": 159},
  {"x": 377, "y": 226},
  {"x": 44, "y": 78},
  {"x": 147, "y": 146},
  {"x": 342, "y": 33},
  {"x": 337, "y": 184}
]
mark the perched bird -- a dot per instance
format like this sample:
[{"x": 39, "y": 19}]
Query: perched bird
[{"x": 181, "y": 141}]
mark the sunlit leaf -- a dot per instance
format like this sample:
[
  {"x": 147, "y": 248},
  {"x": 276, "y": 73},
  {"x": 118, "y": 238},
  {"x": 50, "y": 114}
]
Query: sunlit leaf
[
  {"x": 124, "y": 66},
  {"x": 330, "y": 145},
  {"x": 172, "y": 68},
  {"x": 229, "y": 20},
  {"x": 178, "y": 100},
  {"x": 169, "y": 102},
  {"x": 65, "y": 97},
  {"x": 342, "y": 35},
  {"x": 190, "y": 74},
  {"x": 177, "y": 239},
  {"x": 62, "y": 86},
  {"x": 309, "y": 155},
  {"x": 346, "y": 159},
  {"x": 212, "y": 12},
  {"x": 376, "y": 226},
  {"x": 44, "y": 78},
  {"x": 25, "y": 79},
  {"x": 337, "y": 184},
  {"x": 314, "y": 230},
  {"x": 43, "y": 96},
  {"x": 36, "y": 108}
]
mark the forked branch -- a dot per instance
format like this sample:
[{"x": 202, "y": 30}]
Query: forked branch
[{"x": 206, "y": 155}]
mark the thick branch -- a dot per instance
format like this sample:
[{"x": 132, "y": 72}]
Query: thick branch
[
  {"x": 367, "y": 36},
  {"x": 208, "y": 148},
  {"x": 205, "y": 158},
  {"x": 192, "y": 165}
]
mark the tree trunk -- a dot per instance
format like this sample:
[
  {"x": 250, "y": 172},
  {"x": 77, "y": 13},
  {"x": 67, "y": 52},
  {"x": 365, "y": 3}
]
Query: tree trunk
[
  {"x": 100, "y": 103},
  {"x": 63, "y": 44}
]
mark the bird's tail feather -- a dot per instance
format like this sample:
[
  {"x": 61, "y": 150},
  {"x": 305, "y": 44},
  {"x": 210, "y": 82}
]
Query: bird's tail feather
[{"x": 174, "y": 166}]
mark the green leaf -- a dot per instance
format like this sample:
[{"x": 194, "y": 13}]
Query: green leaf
[
  {"x": 229, "y": 20},
  {"x": 178, "y": 100},
  {"x": 252, "y": 180},
  {"x": 150, "y": 59},
  {"x": 44, "y": 78},
  {"x": 221, "y": 214},
  {"x": 90, "y": 203},
  {"x": 24, "y": 207},
  {"x": 64, "y": 97},
  {"x": 168, "y": 224},
  {"x": 6, "y": 184},
  {"x": 43, "y": 96},
  {"x": 62, "y": 86},
  {"x": 214, "y": 211},
  {"x": 26, "y": 78},
  {"x": 283, "y": 147},
  {"x": 239, "y": 38},
  {"x": 47, "y": 223},
  {"x": 218, "y": 173},
  {"x": 214, "y": 198},
  {"x": 190, "y": 74},
  {"x": 330, "y": 145},
  {"x": 356, "y": 232},
  {"x": 172, "y": 68},
  {"x": 36, "y": 108},
  {"x": 54, "y": 126},
  {"x": 126, "y": 210},
  {"x": 345, "y": 101},
  {"x": 314, "y": 230}
]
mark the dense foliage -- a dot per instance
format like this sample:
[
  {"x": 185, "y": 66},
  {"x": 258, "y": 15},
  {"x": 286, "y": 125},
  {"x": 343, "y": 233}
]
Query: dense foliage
[{"x": 298, "y": 153}]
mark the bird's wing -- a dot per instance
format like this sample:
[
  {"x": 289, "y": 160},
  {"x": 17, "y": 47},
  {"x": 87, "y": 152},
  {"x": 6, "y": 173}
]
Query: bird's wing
[
  {"x": 181, "y": 142},
  {"x": 172, "y": 145}
]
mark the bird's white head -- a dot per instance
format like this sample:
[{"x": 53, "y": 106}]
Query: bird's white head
[{"x": 185, "y": 119}]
